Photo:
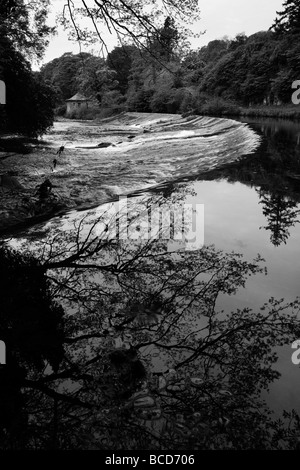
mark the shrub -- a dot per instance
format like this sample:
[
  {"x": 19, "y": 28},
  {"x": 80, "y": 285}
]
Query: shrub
[
  {"x": 167, "y": 101},
  {"x": 89, "y": 113},
  {"x": 217, "y": 106},
  {"x": 188, "y": 103},
  {"x": 140, "y": 101},
  {"x": 60, "y": 110}
]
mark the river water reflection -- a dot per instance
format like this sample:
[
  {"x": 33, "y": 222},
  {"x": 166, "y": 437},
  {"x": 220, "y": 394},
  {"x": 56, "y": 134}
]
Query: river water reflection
[
  {"x": 234, "y": 222},
  {"x": 251, "y": 206}
]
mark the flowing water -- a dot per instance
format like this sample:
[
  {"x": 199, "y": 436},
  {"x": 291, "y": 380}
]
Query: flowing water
[{"x": 247, "y": 176}]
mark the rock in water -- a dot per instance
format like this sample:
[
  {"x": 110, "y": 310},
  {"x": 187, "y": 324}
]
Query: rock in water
[{"x": 104, "y": 144}]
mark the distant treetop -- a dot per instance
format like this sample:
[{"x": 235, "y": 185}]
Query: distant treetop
[{"x": 288, "y": 20}]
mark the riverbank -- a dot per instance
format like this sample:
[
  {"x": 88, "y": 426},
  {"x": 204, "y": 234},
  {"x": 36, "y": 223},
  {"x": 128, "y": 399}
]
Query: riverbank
[
  {"x": 287, "y": 112},
  {"x": 222, "y": 108}
]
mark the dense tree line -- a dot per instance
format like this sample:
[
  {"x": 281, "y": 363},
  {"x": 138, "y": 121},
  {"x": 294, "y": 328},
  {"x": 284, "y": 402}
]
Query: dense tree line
[
  {"x": 164, "y": 76},
  {"x": 254, "y": 70},
  {"x": 24, "y": 35},
  {"x": 157, "y": 72},
  {"x": 128, "y": 76}
]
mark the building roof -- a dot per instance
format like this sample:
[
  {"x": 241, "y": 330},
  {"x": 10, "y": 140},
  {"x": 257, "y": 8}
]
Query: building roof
[{"x": 78, "y": 97}]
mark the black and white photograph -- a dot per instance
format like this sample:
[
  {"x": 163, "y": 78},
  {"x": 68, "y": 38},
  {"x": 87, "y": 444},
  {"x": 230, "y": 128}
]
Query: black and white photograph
[{"x": 149, "y": 228}]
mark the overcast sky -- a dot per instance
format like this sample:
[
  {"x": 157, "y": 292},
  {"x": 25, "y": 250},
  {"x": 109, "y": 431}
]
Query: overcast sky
[{"x": 218, "y": 17}]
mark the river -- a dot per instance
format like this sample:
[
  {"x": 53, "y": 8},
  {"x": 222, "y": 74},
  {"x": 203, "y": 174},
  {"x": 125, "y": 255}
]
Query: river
[
  {"x": 246, "y": 174},
  {"x": 244, "y": 213}
]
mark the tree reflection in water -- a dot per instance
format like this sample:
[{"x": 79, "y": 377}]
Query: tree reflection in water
[
  {"x": 281, "y": 213},
  {"x": 274, "y": 171},
  {"x": 136, "y": 355}
]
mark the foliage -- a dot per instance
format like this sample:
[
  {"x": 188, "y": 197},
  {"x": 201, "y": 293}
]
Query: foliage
[
  {"x": 61, "y": 110},
  {"x": 166, "y": 101},
  {"x": 131, "y": 20},
  {"x": 24, "y": 34},
  {"x": 140, "y": 101},
  {"x": 83, "y": 73},
  {"x": 113, "y": 101},
  {"x": 61, "y": 74},
  {"x": 288, "y": 20},
  {"x": 31, "y": 326},
  {"x": 218, "y": 107},
  {"x": 29, "y": 108},
  {"x": 24, "y": 23},
  {"x": 120, "y": 60},
  {"x": 247, "y": 71},
  {"x": 232, "y": 73},
  {"x": 95, "y": 78},
  {"x": 163, "y": 43}
]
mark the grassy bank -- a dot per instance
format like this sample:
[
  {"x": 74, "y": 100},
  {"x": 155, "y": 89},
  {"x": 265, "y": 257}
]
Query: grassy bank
[
  {"x": 283, "y": 111},
  {"x": 222, "y": 108}
]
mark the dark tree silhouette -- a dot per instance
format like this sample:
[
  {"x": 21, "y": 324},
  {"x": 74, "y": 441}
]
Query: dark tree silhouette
[
  {"x": 25, "y": 25},
  {"x": 130, "y": 19},
  {"x": 281, "y": 213},
  {"x": 288, "y": 20},
  {"x": 120, "y": 60},
  {"x": 148, "y": 362},
  {"x": 31, "y": 326},
  {"x": 23, "y": 34}
]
